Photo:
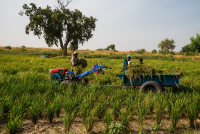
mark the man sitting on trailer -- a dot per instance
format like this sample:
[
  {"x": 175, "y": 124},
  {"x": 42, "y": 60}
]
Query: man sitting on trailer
[
  {"x": 128, "y": 62},
  {"x": 140, "y": 61}
]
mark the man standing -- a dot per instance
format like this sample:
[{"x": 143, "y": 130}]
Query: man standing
[{"x": 74, "y": 61}]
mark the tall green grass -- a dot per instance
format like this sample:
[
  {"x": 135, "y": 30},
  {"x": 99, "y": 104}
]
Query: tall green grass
[
  {"x": 160, "y": 105},
  {"x": 192, "y": 105},
  {"x": 175, "y": 108}
]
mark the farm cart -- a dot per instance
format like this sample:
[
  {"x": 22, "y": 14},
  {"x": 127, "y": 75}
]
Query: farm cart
[
  {"x": 155, "y": 82},
  {"x": 62, "y": 75}
]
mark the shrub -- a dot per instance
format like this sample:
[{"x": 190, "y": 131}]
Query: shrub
[
  {"x": 141, "y": 51},
  {"x": 23, "y": 49},
  {"x": 116, "y": 128},
  {"x": 154, "y": 51},
  {"x": 6, "y": 104},
  {"x": 8, "y": 47},
  {"x": 100, "y": 49},
  {"x": 60, "y": 52},
  {"x": 23, "y": 46}
]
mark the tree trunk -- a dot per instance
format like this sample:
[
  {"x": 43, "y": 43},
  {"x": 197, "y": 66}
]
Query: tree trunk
[
  {"x": 64, "y": 50},
  {"x": 61, "y": 43}
]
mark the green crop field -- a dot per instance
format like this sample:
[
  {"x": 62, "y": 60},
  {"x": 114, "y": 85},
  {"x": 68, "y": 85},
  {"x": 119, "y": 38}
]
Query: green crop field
[{"x": 31, "y": 102}]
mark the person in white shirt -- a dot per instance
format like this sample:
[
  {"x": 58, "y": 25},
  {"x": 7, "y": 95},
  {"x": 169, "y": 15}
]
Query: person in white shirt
[{"x": 129, "y": 60}]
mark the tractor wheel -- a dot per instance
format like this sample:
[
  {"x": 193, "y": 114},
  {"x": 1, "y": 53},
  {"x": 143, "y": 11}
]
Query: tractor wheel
[
  {"x": 150, "y": 86},
  {"x": 56, "y": 77}
]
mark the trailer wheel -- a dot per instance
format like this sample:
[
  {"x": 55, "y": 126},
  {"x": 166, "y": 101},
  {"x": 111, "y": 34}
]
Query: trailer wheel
[{"x": 150, "y": 86}]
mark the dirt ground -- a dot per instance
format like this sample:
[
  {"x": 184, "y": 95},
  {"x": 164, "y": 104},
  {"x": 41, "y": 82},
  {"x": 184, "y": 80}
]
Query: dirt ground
[{"x": 43, "y": 126}]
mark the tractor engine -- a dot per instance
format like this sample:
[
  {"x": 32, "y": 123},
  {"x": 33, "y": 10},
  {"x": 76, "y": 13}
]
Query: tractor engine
[{"x": 60, "y": 71}]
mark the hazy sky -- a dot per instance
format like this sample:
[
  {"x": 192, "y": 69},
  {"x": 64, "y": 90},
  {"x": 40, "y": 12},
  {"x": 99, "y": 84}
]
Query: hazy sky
[{"x": 129, "y": 24}]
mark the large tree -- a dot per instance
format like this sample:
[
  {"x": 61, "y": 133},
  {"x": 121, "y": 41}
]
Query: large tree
[
  {"x": 59, "y": 25},
  {"x": 166, "y": 45},
  {"x": 195, "y": 43}
]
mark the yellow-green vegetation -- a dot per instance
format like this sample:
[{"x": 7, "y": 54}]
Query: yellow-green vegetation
[{"x": 26, "y": 92}]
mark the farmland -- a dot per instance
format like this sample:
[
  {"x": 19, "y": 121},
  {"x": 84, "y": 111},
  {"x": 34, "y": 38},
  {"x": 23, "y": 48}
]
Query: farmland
[{"x": 30, "y": 102}]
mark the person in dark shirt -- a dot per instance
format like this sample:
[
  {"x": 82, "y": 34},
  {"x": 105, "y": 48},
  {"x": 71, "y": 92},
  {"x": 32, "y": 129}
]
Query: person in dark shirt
[{"x": 140, "y": 61}]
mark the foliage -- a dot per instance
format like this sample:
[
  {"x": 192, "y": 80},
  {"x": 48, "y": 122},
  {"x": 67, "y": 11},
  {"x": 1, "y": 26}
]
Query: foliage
[
  {"x": 6, "y": 104},
  {"x": 14, "y": 125},
  {"x": 143, "y": 105},
  {"x": 100, "y": 49},
  {"x": 166, "y": 45},
  {"x": 155, "y": 127},
  {"x": 160, "y": 104},
  {"x": 186, "y": 48},
  {"x": 108, "y": 118},
  {"x": 116, "y": 128},
  {"x": 58, "y": 104},
  {"x": 195, "y": 43},
  {"x": 192, "y": 107},
  {"x": 82, "y": 62},
  {"x": 68, "y": 120},
  {"x": 125, "y": 119},
  {"x": 50, "y": 110},
  {"x": 8, "y": 47},
  {"x": 101, "y": 108},
  {"x": 154, "y": 51},
  {"x": 58, "y": 23},
  {"x": 141, "y": 51},
  {"x": 23, "y": 46},
  {"x": 175, "y": 107},
  {"x": 112, "y": 47},
  {"x": 73, "y": 47},
  {"x": 25, "y": 80}
]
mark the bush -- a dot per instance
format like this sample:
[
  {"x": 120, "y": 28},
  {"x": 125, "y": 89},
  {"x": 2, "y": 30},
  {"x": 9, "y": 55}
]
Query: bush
[
  {"x": 1, "y": 50},
  {"x": 100, "y": 49},
  {"x": 115, "y": 50},
  {"x": 60, "y": 53},
  {"x": 23, "y": 49},
  {"x": 154, "y": 51},
  {"x": 8, "y": 47},
  {"x": 141, "y": 51},
  {"x": 23, "y": 46}
]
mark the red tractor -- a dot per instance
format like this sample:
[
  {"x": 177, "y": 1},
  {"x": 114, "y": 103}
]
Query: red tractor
[{"x": 58, "y": 74}]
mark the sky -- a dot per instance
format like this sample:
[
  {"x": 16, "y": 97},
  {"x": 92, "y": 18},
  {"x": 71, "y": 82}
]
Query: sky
[{"x": 129, "y": 24}]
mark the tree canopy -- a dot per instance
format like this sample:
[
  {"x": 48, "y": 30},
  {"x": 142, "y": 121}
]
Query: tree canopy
[
  {"x": 194, "y": 46},
  {"x": 166, "y": 45},
  {"x": 195, "y": 43},
  {"x": 59, "y": 25}
]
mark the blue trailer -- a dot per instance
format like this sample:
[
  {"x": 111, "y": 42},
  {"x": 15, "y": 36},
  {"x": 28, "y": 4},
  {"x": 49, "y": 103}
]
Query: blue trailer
[{"x": 155, "y": 82}]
